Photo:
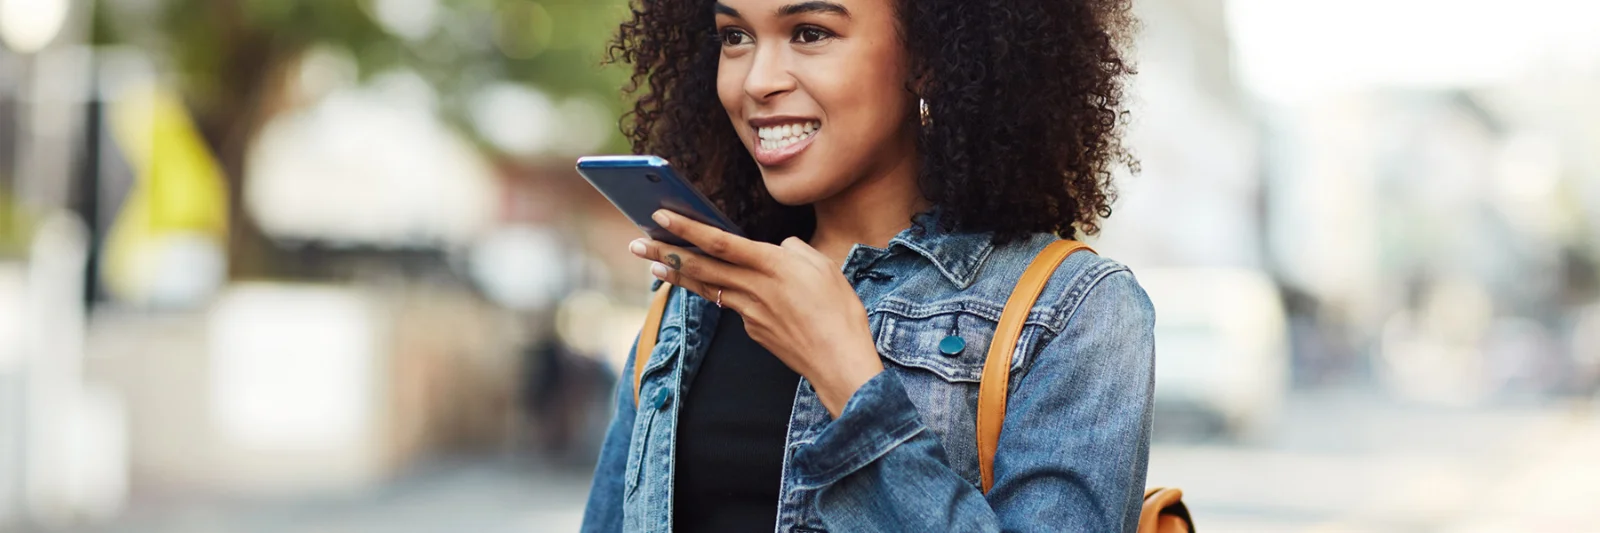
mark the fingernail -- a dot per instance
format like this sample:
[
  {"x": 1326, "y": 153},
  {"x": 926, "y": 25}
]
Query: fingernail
[
  {"x": 659, "y": 270},
  {"x": 661, "y": 218},
  {"x": 637, "y": 247}
]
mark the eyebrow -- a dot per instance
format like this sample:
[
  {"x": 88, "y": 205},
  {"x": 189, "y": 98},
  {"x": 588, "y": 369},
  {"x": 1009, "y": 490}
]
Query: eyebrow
[{"x": 813, "y": 6}]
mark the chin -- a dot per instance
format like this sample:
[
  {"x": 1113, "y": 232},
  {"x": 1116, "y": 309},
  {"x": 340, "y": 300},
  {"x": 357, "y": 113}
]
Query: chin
[{"x": 793, "y": 190}]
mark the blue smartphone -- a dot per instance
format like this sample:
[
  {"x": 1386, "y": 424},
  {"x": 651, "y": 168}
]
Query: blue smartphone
[{"x": 640, "y": 184}]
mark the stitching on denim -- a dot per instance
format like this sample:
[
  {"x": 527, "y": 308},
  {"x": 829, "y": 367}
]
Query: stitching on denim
[
  {"x": 969, "y": 305},
  {"x": 944, "y": 367},
  {"x": 644, "y": 444},
  {"x": 673, "y": 319},
  {"x": 929, "y": 254},
  {"x": 1076, "y": 295},
  {"x": 858, "y": 458},
  {"x": 1080, "y": 289}
]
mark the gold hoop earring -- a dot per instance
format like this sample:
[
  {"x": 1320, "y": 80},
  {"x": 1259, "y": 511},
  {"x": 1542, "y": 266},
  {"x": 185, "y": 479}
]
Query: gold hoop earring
[{"x": 923, "y": 106}]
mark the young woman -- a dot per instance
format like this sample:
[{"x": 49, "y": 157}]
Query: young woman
[{"x": 896, "y": 164}]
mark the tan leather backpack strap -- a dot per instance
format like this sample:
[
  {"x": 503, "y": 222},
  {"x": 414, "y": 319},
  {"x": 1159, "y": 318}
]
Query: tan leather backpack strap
[
  {"x": 648, "y": 335},
  {"x": 997, "y": 368}
]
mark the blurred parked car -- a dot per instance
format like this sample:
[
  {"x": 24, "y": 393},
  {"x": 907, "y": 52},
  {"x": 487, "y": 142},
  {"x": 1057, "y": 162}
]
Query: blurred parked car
[{"x": 1222, "y": 353}]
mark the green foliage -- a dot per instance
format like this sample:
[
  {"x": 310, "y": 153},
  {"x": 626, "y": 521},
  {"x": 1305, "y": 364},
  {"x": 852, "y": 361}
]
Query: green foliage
[
  {"x": 225, "y": 49},
  {"x": 16, "y": 225}
]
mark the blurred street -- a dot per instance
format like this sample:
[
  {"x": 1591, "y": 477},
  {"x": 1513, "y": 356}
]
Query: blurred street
[
  {"x": 482, "y": 495},
  {"x": 1352, "y": 464},
  {"x": 314, "y": 266},
  {"x": 1344, "y": 462}
]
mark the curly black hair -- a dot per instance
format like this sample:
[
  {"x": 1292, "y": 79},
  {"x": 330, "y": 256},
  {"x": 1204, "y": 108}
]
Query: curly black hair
[{"x": 1025, "y": 98}]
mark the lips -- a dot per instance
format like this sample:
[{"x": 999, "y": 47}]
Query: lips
[{"x": 781, "y": 139}]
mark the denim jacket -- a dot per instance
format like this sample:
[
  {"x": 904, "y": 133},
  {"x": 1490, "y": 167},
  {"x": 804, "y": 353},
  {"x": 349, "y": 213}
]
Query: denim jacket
[{"x": 902, "y": 455}]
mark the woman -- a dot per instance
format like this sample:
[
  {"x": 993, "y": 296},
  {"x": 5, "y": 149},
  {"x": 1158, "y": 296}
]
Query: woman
[{"x": 895, "y": 164}]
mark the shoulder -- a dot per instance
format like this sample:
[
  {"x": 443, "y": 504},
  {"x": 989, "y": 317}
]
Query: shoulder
[
  {"x": 1084, "y": 281},
  {"x": 1092, "y": 314}
]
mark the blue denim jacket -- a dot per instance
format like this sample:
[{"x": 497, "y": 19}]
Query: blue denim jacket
[{"x": 902, "y": 455}]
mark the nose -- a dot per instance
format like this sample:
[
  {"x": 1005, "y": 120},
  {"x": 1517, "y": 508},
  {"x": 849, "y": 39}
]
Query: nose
[{"x": 769, "y": 74}]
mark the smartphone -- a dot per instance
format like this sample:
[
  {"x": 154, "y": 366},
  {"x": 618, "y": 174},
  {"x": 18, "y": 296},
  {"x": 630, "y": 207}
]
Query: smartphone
[{"x": 641, "y": 184}]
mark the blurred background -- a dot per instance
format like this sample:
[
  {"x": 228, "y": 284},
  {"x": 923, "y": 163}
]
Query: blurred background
[{"x": 324, "y": 265}]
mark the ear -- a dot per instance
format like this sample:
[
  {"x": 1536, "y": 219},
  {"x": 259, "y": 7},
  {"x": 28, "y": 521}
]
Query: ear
[{"x": 916, "y": 84}]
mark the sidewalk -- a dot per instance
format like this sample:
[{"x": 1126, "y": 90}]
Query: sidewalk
[
  {"x": 1355, "y": 467},
  {"x": 1337, "y": 465},
  {"x": 478, "y": 495}
]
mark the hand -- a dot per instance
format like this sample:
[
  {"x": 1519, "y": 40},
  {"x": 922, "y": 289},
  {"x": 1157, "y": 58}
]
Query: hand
[{"x": 794, "y": 300}]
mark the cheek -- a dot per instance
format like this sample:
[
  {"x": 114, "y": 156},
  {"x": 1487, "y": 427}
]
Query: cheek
[
  {"x": 886, "y": 76},
  {"x": 730, "y": 88},
  {"x": 864, "y": 95}
]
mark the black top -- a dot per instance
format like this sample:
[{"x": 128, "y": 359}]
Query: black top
[{"x": 731, "y": 432}]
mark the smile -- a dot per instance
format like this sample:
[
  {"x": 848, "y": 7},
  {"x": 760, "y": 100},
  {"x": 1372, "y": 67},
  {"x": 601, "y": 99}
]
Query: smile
[
  {"x": 778, "y": 143},
  {"x": 780, "y": 137}
]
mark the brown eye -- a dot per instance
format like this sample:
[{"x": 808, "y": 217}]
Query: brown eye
[
  {"x": 809, "y": 35},
  {"x": 734, "y": 38}
]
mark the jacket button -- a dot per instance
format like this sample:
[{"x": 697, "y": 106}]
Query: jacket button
[
  {"x": 663, "y": 398},
  {"x": 952, "y": 346}
]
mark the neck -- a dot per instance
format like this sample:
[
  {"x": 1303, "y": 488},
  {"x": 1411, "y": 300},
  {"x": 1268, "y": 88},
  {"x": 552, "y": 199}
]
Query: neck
[{"x": 869, "y": 212}]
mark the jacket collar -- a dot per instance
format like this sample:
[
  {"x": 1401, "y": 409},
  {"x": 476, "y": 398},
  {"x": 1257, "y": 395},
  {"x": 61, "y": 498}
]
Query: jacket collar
[{"x": 957, "y": 255}]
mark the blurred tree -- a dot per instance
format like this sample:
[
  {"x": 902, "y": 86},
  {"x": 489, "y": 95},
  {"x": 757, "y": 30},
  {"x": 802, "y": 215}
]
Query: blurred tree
[
  {"x": 16, "y": 225},
  {"x": 235, "y": 62}
]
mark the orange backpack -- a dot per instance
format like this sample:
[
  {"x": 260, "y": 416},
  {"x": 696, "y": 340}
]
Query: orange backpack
[{"x": 1163, "y": 510}]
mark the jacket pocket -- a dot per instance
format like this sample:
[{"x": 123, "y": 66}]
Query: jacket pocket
[
  {"x": 952, "y": 345},
  {"x": 941, "y": 375}
]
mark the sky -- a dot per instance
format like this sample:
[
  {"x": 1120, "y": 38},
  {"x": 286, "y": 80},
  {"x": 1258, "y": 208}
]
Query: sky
[{"x": 1292, "y": 50}]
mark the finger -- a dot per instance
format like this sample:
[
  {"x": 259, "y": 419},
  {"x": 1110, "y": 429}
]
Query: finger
[
  {"x": 729, "y": 297},
  {"x": 697, "y": 266},
  {"x": 713, "y": 241},
  {"x": 667, "y": 274}
]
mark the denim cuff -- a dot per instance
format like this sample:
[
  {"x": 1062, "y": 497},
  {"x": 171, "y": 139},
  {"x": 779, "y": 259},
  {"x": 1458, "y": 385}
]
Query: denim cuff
[{"x": 876, "y": 419}]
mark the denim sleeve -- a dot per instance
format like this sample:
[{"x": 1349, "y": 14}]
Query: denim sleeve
[
  {"x": 1072, "y": 454},
  {"x": 603, "y": 513}
]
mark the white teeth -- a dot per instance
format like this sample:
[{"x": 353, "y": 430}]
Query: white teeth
[{"x": 776, "y": 137}]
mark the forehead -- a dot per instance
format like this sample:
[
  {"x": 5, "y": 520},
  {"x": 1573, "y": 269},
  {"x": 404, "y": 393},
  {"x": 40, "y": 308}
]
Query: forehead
[{"x": 778, "y": 8}]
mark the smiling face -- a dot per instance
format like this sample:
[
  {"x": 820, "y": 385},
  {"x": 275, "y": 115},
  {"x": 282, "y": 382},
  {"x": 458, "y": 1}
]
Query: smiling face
[{"x": 816, "y": 91}]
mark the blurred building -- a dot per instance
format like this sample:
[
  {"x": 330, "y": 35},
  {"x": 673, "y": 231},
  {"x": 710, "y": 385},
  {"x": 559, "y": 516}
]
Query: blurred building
[
  {"x": 419, "y": 262},
  {"x": 1426, "y": 210},
  {"x": 1369, "y": 196},
  {"x": 1196, "y": 200},
  {"x": 61, "y": 451}
]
